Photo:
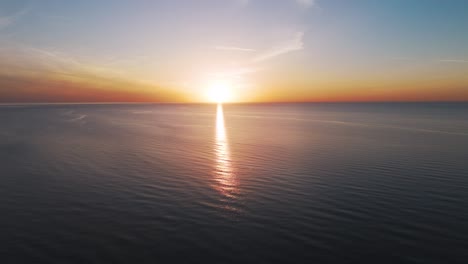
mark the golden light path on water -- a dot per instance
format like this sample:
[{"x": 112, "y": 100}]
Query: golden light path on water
[{"x": 225, "y": 179}]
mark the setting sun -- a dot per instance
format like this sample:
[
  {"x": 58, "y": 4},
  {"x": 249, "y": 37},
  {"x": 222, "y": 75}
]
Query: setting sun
[
  {"x": 241, "y": 131},
  {"x": 219, "y": 91}
]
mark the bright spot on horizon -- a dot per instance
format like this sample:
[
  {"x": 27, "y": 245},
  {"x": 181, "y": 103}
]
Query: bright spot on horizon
[{"x": 219, "y": 91}]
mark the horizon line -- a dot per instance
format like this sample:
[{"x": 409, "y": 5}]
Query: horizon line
[{"x": 229, "y": 103}]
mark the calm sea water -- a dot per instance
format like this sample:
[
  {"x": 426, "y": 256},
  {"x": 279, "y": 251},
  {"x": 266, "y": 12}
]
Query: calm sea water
[{"x": 272, "y": 183}]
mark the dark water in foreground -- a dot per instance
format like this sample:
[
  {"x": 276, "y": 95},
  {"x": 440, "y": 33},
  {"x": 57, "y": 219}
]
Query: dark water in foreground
[{"x": 291, "y": 183}]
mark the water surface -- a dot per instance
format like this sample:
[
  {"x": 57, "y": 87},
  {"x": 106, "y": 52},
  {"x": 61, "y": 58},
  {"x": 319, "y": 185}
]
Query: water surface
[{"x": 267, "y": 183}]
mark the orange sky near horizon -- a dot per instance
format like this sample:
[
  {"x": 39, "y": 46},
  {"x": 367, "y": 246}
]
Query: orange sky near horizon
[{"x": 61, "y": 90}]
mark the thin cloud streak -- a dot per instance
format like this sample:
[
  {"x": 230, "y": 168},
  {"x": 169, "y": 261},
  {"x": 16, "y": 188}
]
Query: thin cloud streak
[
  {"x": 303, "y": 3},
  {"x": 455, "y": 61},
  {"x": 8, "y": 20},
  {"x": 296, "y": 43},
  {"x": 32, "y": 74},
  {"x": 431, "y": 60},
  {"x": 306, "y": 3}
]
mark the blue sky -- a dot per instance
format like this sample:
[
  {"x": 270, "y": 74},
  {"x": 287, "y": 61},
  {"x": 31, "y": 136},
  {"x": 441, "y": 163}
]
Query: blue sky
[{"x": 266, "y": 49}]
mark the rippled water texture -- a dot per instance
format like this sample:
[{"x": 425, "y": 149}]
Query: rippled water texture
[{"x": 267, "y": 183}]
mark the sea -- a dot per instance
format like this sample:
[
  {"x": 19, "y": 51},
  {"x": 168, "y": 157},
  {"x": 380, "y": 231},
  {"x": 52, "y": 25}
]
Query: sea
[{"x": 234, "y": 183}]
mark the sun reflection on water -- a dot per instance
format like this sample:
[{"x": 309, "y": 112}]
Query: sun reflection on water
[{"x": 224, "y": 176}]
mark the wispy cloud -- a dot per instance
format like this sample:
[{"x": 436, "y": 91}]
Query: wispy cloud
[
  {"x": 243, "y": 2},
  {"x": 296, "y": 43},
  {"x": 8, "y": 20},
  {"x": 5, "y": 21},
  {"x": 306, "y": 3},
  {"x": 454, "y": 61},
  {"x": 37, "y": 74},
  {"x": 431, "y": 60},
  {"x": 251, "y": 66},
  {"x": 232, "y": 48},
  {"x": 303, "y": 3}
]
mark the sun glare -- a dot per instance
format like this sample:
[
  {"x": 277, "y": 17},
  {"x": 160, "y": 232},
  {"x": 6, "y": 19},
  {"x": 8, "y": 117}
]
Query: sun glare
[{"x": 219, "y": 91}]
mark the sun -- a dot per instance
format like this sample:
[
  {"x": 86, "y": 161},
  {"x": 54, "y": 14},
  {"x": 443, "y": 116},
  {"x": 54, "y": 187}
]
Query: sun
[{"x": 219, "y": 91}]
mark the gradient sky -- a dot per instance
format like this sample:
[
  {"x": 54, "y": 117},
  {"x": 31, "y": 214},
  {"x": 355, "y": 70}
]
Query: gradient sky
[{"x": 270, "y": 50}]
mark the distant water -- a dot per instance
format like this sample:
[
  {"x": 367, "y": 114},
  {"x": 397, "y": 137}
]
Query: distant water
[{"x": 271, "y": 183}]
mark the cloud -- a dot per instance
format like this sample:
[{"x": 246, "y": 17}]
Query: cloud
[
  {"x": 232, "y": 48},
  {"x": 431, "y": 60},
  {"x": 455, "y": 61},
  {"x": 306, "y": 3},
  {"x": 303, "y": 3},
  {"x": 244, "y": 2},
  {"x": 296, "y": 43},
  {"x": 39, "y": 75},
  {"x": 8, "y": 20},
  {"x": 5, "y": 21},
  {"x": 251, "y": 66}
]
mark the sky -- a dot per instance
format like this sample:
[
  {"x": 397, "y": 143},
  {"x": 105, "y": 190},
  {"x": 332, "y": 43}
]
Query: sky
[{"x": 263, "y": 50}]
